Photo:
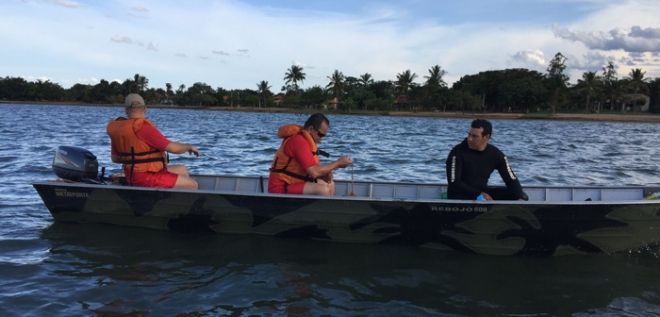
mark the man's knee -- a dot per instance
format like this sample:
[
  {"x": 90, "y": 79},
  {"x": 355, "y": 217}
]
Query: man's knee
[
  {"x": 321, "y": 189},
  {"x": 178, "y": 169},
  {"x": 186, "y": 182}
]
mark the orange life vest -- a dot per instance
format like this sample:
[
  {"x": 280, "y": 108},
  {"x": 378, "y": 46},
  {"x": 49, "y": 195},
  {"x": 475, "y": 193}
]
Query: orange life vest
[
  {"x": 133, "y": 153},
  {"x": 285, "y": 167}
]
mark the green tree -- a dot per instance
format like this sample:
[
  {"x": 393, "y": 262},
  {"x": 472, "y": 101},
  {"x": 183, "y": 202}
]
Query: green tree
[
  {"x": 168, "y": 92},
  {"x": 264, "y": 93},
  {"x": 557, "y": 80},
  {"x": 313, "y": 97},
  {"x": 404, "y": 82},
  {"x": 611, "y": 84},
  {"x": 636, "y": 81},
  {"x": 434, "y": 79},
  {"x": 434, "y": 84},
  {"x": 292, "y": 76},
  {"x": 589, "y": 85},
  {"x": 140, "y": 83},
  {"x": 336, "y": 84},
  {"x": 366, "y": 80}
]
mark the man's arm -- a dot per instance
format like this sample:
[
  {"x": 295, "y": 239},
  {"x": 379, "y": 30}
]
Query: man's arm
[
  {"x": 299, "y": 149},
  {"x": 155, "y": 139},
  {"x": 179, "y": 148},
  {"x": 319, "y": 170},
  {"x": 454, "y": 170},
  {"x": 509, "y": 178}
]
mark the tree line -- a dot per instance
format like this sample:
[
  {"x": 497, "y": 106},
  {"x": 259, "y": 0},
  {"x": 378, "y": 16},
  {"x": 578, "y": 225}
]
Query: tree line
[{"x": 508, "y": 90}]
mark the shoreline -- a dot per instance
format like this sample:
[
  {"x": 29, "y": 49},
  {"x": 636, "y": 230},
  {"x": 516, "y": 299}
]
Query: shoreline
[{"x": 645, "y": 117}]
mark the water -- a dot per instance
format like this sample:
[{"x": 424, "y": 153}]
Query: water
[{"x": 49, "y": 269}]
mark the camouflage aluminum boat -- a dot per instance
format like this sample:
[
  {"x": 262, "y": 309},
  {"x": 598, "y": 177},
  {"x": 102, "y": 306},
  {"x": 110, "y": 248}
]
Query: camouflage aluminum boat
[{"x": 555, "y": 220}]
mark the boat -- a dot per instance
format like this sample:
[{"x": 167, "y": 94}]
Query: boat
[{"x": 556, "y": 220}]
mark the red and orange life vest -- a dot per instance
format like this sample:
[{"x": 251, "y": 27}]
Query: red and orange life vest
[
  {"x": 285, "y": 167},
  {"x": 134, "y": 154}
]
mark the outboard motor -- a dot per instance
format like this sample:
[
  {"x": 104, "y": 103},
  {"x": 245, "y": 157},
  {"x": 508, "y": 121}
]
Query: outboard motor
[{"x": 75, "y": 164}]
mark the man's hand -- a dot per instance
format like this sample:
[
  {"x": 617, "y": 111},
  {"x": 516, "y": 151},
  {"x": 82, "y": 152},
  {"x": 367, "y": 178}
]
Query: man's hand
[
  {"x": 344, "y": 161},
  {"x": 193, "y": 150}
]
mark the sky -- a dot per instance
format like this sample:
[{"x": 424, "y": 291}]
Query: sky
[{"x": 235, "y": 44}]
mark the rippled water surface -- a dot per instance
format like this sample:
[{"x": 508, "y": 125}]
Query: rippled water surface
[{"x": 49, "y": 269}]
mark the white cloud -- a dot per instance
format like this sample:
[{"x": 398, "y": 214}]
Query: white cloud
[
  {"x": 382, "y": 42},
  {"x": 220, "y": 52},
  {"x": 66, "y": 3},
  {"x": 534, "y": 58},
  {"x": 637, "y": 40}
]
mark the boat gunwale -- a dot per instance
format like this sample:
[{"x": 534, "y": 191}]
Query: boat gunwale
[{"x": 59, "y": 182}]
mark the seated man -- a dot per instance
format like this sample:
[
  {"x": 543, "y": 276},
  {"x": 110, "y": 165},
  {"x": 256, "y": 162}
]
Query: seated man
[
  {"x": 141, "y": 148},
  {"x": 470, "y": 164},
  {"x": 296, "y": 168}
]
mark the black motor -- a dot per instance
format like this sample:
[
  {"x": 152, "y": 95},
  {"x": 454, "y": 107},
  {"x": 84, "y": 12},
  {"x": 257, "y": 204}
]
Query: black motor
[{"x": 74, "y": 163}]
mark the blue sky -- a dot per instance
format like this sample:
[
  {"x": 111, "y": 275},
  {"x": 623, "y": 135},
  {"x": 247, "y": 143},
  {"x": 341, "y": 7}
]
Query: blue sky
[{"x": 235, "y": 44}]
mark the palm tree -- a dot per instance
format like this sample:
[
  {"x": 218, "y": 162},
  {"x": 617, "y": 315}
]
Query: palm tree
[
  {"x": 434, "y": 83},
  {"x": 140, "y": 83},
  {"x": 404, "y": 81},
  {"x": 292, "y": 76},
  {"x": 434, "y": 79},
  {"x": 168, "y": 92},
  {"x": 336, "y": 85},
  {"x": 589, "y": 83},
  {"x": 366, "y": 80},
  {"x": 636, "y": 81},
  {"x": 610, "y": 83},
  {"x": 264, "y": 92}
]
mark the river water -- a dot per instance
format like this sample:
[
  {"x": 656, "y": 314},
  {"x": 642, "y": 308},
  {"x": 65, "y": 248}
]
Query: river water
[{"x": 49, "y": 269}]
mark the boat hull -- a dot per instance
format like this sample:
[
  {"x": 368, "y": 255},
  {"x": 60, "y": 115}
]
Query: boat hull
[{"x": 510, "y": 228}]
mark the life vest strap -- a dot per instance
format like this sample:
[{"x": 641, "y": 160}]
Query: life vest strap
[
  {"x": 137, "y": 161},
  {"x": 137, "y": 154},
  {"x": 321, "y": 152},
  {"x": 292, "y": 174}
]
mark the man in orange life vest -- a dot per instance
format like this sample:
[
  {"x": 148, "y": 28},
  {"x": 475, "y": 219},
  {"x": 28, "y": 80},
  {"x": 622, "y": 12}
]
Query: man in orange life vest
[
  {"x": 296, "y": 168},
  {"x": 140, "y": 147}
]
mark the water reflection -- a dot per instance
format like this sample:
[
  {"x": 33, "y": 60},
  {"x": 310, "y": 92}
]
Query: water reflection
[{"x": 254, "y": 275}]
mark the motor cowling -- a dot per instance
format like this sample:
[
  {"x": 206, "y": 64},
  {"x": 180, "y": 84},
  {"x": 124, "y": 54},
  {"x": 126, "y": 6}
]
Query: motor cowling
[{"x": 76, "y": 164}]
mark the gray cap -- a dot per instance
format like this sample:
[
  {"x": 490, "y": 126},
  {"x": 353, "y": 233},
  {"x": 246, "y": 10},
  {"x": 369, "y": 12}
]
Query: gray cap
[{"x": 134, "y": 101}]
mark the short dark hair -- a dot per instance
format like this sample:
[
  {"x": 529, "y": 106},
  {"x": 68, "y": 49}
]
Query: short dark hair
[
  {"x": 484, "y": 124},
  {"x": 316, "y": 120}
]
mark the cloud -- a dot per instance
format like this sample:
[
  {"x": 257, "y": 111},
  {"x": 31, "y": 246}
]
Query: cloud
[
  {"x": 652, "y": 33},
  {"x": 637, "y": 40},
  {"x": 66, "y": 3},
  {"x": 129, "y": 41},
  {"x": 592, "y": 61},
  {"x": 223, "y": 53},
  {"x": 243, "y": 52},
  {"x": 139, "y": 9},
  {"x": 121, "y": 39},
  {"x": 534, "y": 58},
  {"x": 183, "y": 55}
]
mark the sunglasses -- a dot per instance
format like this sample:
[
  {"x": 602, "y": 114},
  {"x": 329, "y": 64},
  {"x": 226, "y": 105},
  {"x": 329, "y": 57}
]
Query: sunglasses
[{"x": 321, "y": 135}]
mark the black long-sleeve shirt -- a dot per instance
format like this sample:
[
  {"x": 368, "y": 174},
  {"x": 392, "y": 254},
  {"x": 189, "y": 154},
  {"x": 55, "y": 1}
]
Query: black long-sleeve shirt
[{"x": 468, "y": 171}]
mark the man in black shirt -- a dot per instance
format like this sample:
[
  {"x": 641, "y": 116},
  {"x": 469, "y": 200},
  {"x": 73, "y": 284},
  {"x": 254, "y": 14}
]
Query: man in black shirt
[{"x": 470, "y": 164}]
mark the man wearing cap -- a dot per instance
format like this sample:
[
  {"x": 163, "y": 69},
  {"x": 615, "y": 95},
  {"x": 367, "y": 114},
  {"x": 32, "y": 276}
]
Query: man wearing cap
[{"x": 141, "y": 148}]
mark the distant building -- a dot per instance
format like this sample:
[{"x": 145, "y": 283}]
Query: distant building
[{"x": 278, "y": 99}]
